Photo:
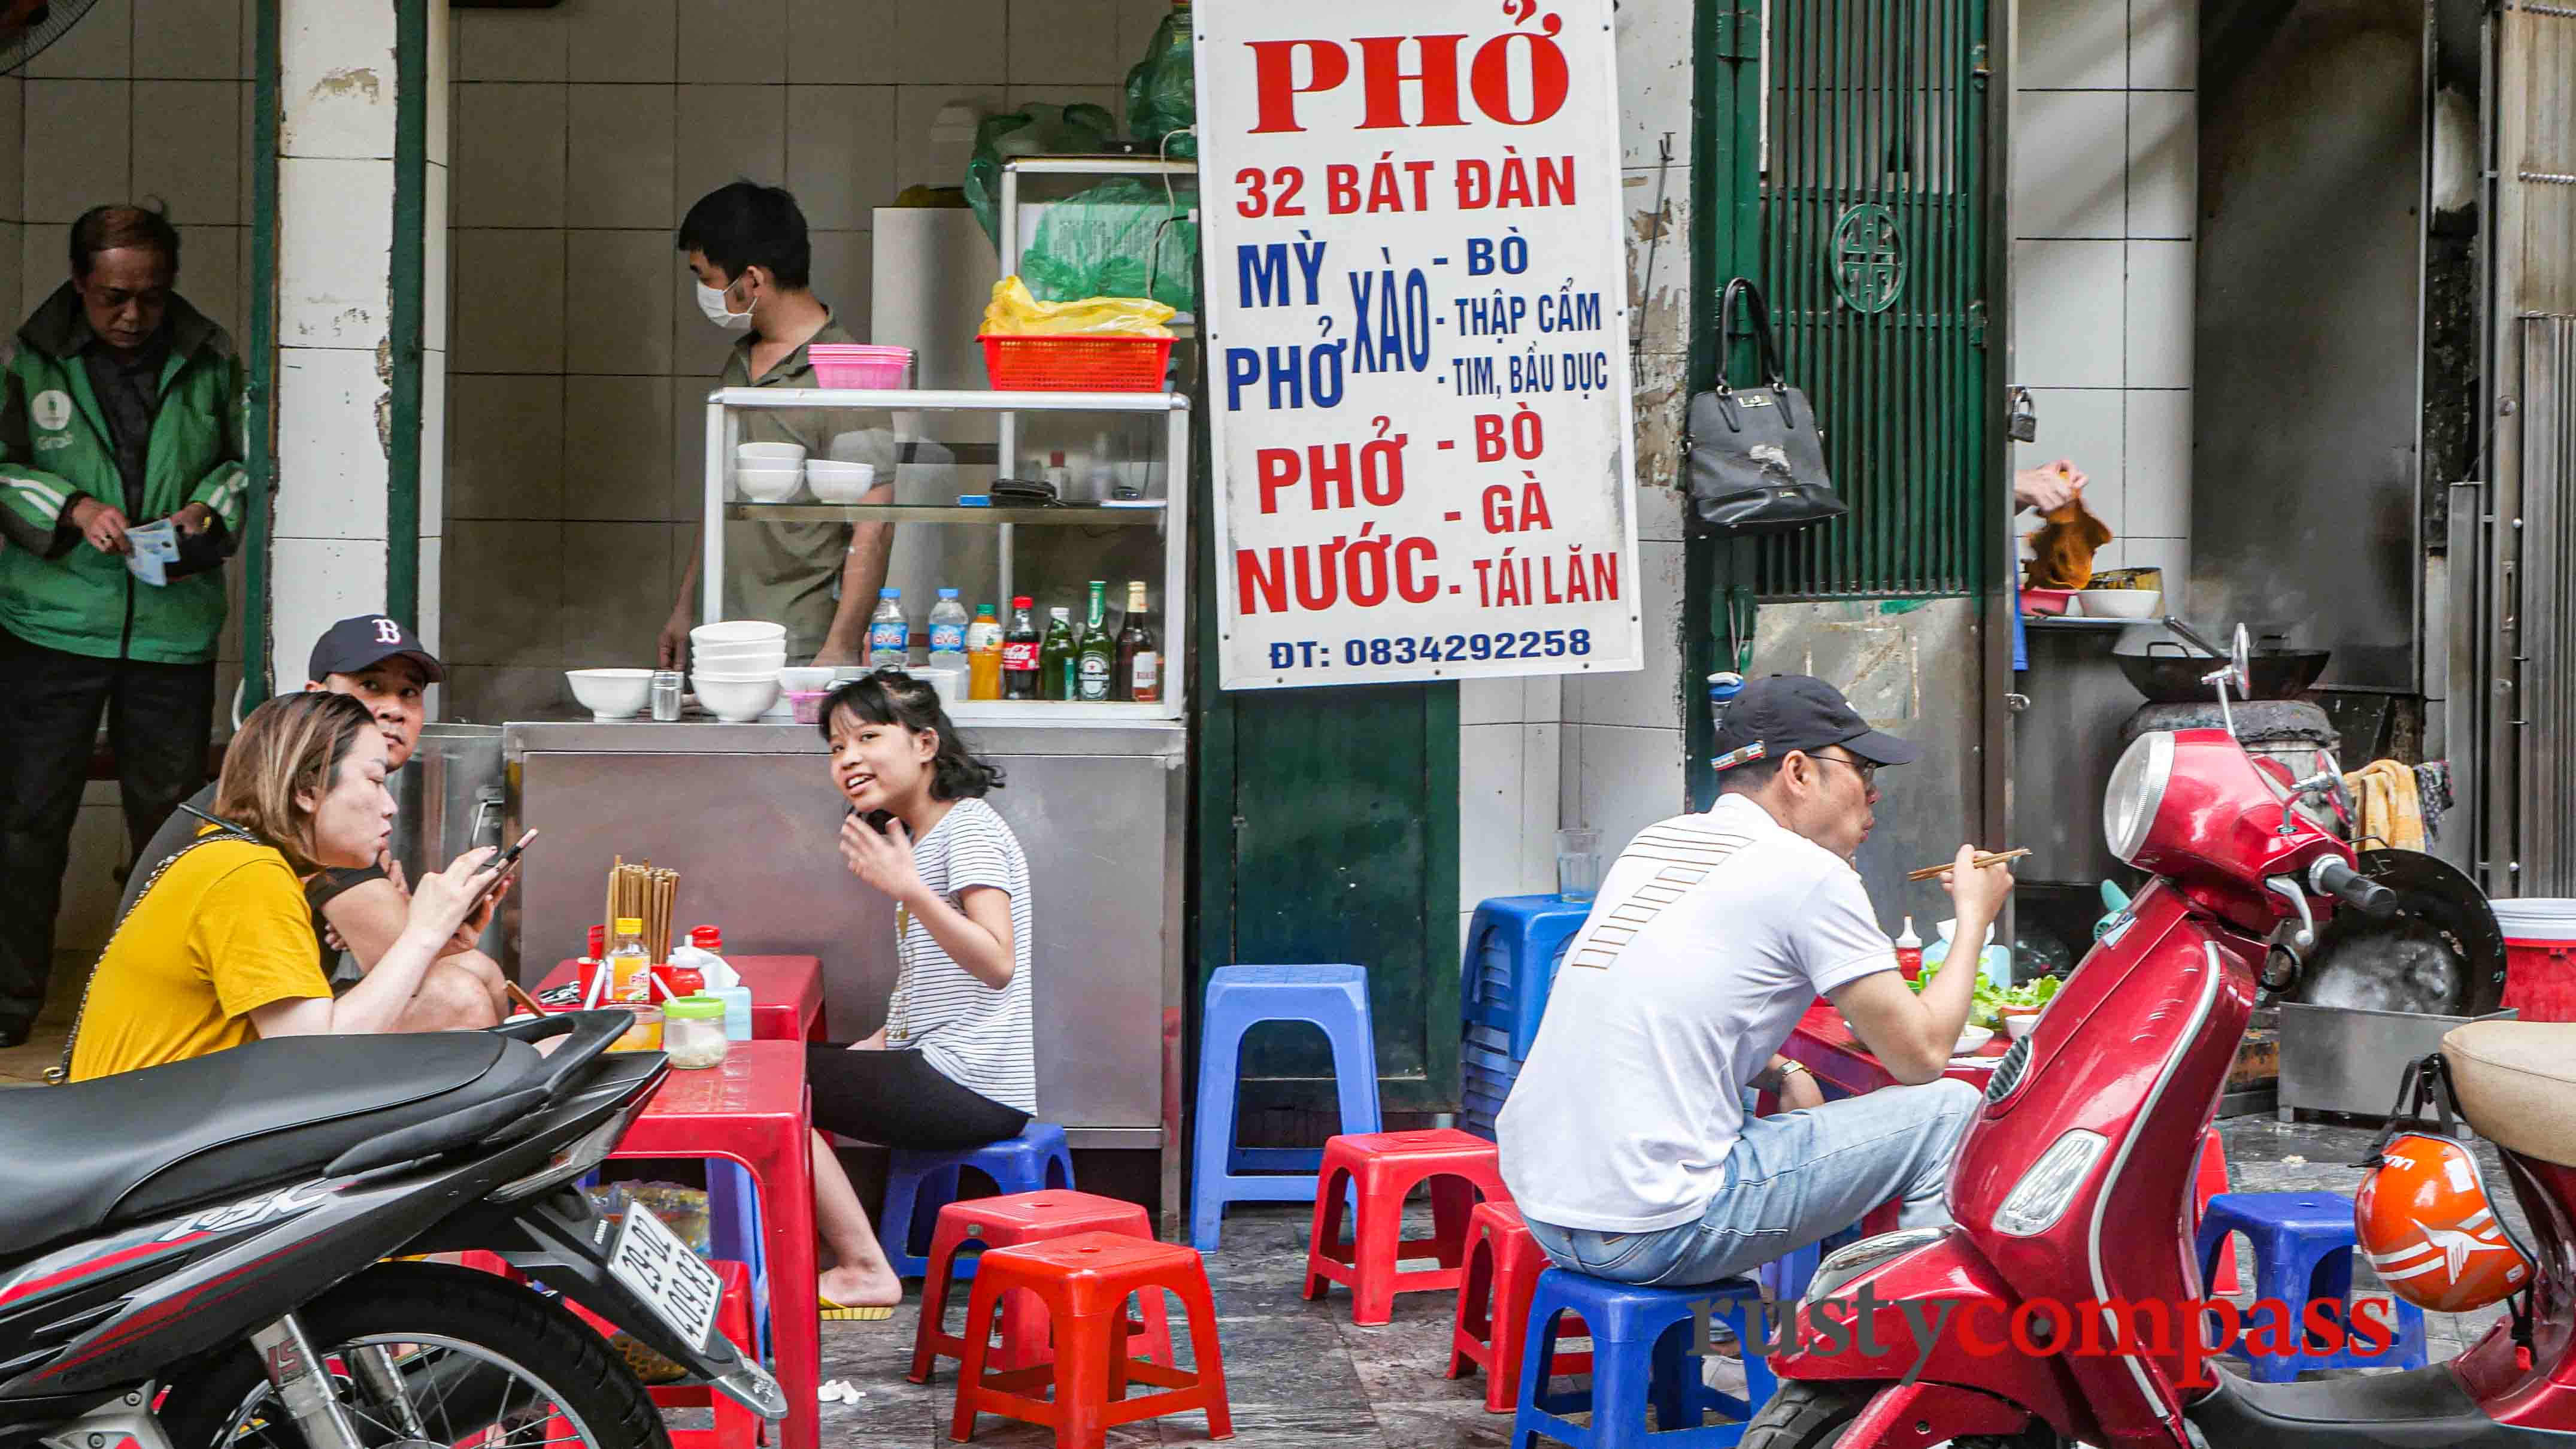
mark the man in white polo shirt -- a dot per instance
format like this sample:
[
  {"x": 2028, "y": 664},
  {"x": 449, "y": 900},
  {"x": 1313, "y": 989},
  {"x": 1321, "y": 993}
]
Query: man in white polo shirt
[{"x": 1625, "y": 1142}]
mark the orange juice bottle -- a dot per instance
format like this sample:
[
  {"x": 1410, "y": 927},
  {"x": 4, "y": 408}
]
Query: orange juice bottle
[
  {"x": 984, "y": 655},
  {"x": 630, "y": 967}
]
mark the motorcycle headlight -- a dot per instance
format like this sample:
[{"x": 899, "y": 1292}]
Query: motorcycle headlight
[
  {"x": 1845, "y": 1264},
  {"x": 2040, "y": 1198},
  {"x": 2136, "y": 793}
]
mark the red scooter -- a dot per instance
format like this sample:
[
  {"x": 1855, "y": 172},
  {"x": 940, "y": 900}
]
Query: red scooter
[{"x": 2072, "y": 1192}]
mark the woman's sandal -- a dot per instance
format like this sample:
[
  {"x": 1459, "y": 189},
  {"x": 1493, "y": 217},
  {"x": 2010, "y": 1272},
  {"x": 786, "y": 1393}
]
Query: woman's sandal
[{"x": 835, "y": 1313}]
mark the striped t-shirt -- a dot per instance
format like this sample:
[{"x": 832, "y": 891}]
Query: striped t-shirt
[{"x": 976, "y": 1036}]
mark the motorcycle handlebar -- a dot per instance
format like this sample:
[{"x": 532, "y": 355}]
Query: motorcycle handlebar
[{"x": 2331, "y": 877}]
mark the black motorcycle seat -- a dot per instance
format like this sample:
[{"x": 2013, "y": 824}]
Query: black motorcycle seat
[{"x": 215, "y": 1128}]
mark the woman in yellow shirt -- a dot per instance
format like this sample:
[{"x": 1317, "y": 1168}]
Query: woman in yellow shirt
[{"x": 220, "y": 949}]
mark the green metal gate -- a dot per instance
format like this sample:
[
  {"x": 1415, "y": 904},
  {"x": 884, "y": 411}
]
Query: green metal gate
[{"x": 1844, "y": 164}]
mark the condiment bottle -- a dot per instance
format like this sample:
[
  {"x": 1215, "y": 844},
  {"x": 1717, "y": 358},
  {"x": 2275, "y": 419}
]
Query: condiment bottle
[
  {"x": 736, "y": 998},
  {"x": 1909, "y": 952},
  {"x": 630, "y": 967}
]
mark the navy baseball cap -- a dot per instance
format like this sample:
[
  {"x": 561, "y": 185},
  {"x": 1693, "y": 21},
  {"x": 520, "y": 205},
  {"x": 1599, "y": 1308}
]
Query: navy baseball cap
[
  {"x": 362, "y": 643},
  {"x": 1778, "y": 713}
]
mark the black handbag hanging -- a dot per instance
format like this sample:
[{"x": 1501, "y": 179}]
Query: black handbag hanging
[{"x": 1757, "y": 461}]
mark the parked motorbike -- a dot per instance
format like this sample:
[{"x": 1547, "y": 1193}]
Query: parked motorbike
[
  {"x": 2072, "y": 1192},
  {"x": 198, "y": 1255}
]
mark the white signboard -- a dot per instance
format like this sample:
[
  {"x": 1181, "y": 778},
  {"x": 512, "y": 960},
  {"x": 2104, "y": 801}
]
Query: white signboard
[{"x": 1417, "y": 334}]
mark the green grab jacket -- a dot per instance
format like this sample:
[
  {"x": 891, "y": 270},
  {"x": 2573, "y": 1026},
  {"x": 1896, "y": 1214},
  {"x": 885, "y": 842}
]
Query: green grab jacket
[{"x": 56, "y": 590}]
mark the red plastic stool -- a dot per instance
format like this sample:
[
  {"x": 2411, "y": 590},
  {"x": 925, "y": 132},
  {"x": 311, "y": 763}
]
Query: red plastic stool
[
  {"x": 1503, "y": 1264},
  {"x": 1386, "y": 1166},
  {"x": 1010, "y": 1222},
  {"x": 736, "y": 1427},
  {"x": 1085, "y": 1282}
]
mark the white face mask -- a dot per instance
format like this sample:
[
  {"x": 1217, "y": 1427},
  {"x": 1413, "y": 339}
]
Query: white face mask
[{"x": 712, "y": 303}]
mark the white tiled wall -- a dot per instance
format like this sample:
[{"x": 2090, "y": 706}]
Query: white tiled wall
[
  {"x": 1605, "y": 751},
  {"x": 2104, "y": 180},
  {"x": 141, "y": 100},
  {"x": 581, "y": 135}
]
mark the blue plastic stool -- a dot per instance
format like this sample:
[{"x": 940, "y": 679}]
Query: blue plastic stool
[
  {"x": 733, "y": 1232},
  {"x": 1334, "y": 998},
  {"x": 2303, "y": 1247},
  {"x": 919, "y": 1184},
  {"x": 1513, "y": 951},
  {"x": 1642, "y": 1342}
]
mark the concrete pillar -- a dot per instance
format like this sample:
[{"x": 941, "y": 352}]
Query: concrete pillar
[{"x": 361, "y": 380}]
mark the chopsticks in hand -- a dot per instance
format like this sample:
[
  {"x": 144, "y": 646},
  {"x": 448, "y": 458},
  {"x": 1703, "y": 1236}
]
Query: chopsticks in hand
[{"x": 1997, "y": 858}]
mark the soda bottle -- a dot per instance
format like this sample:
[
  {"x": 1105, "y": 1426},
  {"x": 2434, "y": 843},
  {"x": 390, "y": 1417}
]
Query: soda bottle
[
  {"x": 948, "y": 632},
  {"x": 1055, "y": 657},
  {"x": 889, "y": 633},
  {"x": 1020, "y": 653},
  {"x": 1140, "y": 668},
  {"x": 984, "y": 655},
  {"x": 1095, "y": 662}
]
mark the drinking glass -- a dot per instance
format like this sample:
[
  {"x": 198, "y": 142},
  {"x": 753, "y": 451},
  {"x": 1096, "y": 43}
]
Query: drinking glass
[{"x": 1578, "y": 864}]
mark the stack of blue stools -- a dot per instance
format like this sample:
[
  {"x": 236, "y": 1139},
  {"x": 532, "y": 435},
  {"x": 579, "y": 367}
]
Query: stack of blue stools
[{"x": 1514, "y": 946}]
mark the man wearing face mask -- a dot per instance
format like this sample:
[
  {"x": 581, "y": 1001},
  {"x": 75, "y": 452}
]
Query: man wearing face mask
[{"x": 747, "y": 247}]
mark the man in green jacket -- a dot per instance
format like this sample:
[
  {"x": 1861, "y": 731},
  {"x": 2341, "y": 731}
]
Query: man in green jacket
[{"x": 120, "y": 413}]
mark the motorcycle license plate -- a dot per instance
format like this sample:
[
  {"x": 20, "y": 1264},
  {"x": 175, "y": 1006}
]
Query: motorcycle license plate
[{"x": 680, "y": 1288}]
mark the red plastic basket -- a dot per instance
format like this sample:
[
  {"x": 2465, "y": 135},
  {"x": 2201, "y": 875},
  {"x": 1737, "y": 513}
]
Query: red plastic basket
[{"x": 1076, "y": 364}]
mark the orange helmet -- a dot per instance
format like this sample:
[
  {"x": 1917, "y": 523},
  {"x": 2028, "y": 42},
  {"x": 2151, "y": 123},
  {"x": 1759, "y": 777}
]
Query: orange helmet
[{"x": 2424, "y": 1220}]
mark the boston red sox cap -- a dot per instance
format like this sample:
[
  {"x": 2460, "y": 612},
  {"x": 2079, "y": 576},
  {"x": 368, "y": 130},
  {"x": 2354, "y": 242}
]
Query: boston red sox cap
[
  {"x": 353, "y": 645},
  {"x": 1778, "y": 713}
]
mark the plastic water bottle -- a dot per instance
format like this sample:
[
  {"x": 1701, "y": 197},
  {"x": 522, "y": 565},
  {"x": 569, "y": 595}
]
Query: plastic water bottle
[
  {"x": 889, "y": 633},
  {"x": 948, "y": 632}
]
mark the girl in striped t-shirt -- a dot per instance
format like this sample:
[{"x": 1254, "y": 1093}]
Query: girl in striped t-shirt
[{"x": 954, "y": 1066}]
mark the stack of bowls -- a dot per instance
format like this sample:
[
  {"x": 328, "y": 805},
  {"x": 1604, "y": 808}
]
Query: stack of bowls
[
  {"x": 734, "y": 667},
  {"x": 768, "y": 472}
]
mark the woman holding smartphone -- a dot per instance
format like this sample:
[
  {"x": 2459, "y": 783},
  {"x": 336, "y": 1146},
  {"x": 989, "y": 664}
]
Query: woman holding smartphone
[
  {"x": 218, "y": 946},
  {"x": 955, "y": 1064}
]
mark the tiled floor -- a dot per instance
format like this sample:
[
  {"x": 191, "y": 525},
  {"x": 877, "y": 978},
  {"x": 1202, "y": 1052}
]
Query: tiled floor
[{"x": 1301, "y": 1376}]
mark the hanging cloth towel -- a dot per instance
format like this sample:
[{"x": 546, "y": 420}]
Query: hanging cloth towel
[
  {"x": 2433, "y": 795},
  {"x": 2387, "y": 812}
]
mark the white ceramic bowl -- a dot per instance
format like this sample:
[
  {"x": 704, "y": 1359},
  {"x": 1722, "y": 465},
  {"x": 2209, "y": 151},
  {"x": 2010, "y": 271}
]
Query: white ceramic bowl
[
  {"x": 806, "y": 678},
  {"x": 839, "y": 482},
  {"x": 771, "y": 649},
  {"x": 611, "y": 693},
  {"x": 1972, "y": 1039},
  {"x": 768, "y": 485},
  {"x": 2018, "y": 1024},
  {"x": 736, "y": 701},
  {"x": 770, "y": 452},
  {"x": 2121, "y": 603},
  {"x": 737, "y": 631}
]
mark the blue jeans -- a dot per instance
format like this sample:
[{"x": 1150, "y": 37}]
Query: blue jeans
[{"x": 1793, "y": 1180}]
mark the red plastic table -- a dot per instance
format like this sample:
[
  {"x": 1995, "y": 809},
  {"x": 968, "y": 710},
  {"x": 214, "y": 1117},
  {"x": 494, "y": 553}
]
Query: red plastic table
[
  {"x": 753, "y": 1110},
  {"x": 786, "y": 994},
  {"x": 1824, "y": 1044}
]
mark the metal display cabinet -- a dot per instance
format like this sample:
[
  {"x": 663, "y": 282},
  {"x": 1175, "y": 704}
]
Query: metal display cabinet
[{"x": 724, "y": 431}]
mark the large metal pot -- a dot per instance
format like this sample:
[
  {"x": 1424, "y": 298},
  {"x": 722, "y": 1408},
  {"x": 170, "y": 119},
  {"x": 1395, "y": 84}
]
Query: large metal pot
[{"x": 2168, "y": 668}]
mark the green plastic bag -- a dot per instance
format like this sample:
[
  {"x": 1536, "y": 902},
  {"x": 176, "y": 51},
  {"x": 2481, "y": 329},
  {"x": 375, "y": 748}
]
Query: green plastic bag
[
  {"x": 1113, "y": 240},
  {"x": 1081, "y": 129},
  {"x": 1162, "y": 91}
]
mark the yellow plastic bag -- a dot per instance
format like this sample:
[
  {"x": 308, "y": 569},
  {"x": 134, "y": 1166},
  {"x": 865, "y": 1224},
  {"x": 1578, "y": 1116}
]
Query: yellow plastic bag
[{"x": 1015, "y": 313}]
